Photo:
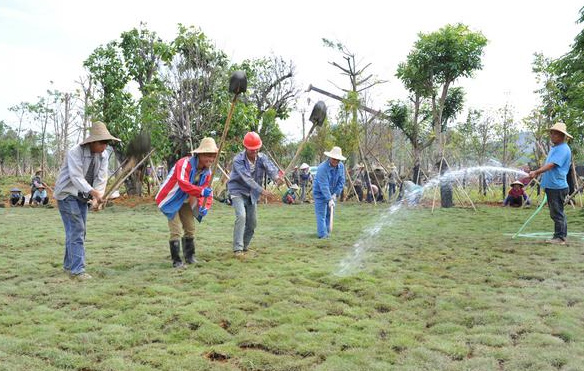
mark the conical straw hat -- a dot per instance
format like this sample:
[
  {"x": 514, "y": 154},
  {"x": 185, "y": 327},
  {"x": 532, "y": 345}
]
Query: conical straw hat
[
  {"x": 99, "y": 132},
  {"x": 561, "y": 127}
]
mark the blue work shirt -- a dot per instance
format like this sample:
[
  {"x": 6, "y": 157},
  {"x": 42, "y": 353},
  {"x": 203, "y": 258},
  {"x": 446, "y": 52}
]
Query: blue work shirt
[
  {"x": 244, "y": 182},
  {"x": 556, "y": 177},
  {"x": 328, "y": 181}
]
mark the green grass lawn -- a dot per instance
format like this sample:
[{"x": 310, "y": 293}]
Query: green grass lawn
[{"x": 445, "y": 291}]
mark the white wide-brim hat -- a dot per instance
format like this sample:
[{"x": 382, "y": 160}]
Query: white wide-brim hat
[
  {"x": 336, "y": 153},
  {"x": 561, "y": 127},
  {"x": 207, "y": 145},
  {"x": 304, "y": 166},
  {"x": 294, "y": 186},
  {"x": 98, "y": 132}
]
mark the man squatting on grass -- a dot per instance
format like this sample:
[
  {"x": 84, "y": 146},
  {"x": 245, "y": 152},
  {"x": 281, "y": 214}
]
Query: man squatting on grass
[
  {"x": 190, "y": 176},
  {"x": 244, "y": 186},
  {"x": 82, "y": 181},
  {"x": 328, "y": 185},
  {"x": 556, "y": 167}
]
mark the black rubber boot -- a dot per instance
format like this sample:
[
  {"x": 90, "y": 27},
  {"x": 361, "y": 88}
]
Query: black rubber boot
[
  {"x": 175, "y": 254},
  {"x": 189, "y": 250}
]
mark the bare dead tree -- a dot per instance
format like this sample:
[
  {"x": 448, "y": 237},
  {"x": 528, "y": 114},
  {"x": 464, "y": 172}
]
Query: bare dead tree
[
  {"x": 196, "y": 79},
  {"x": 86, "y": 96},
  {"x": 360, "y": 81}
]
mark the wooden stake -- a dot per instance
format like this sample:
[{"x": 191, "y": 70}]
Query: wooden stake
[{"x": 367, "y": 172}]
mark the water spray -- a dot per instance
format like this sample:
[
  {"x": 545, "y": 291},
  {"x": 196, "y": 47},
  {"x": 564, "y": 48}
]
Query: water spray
[{"x": 356, "y": 256}]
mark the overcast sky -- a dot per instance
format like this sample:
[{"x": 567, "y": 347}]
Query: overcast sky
[{"x": 48, "y": 40}]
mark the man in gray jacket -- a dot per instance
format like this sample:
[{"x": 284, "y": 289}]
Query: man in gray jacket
[
  {"x": 244, "y": 186},
  {"x": 82, "y": 180}
]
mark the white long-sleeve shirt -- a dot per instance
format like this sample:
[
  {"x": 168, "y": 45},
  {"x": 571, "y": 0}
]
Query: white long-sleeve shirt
[{"x": 71, "y": 179}]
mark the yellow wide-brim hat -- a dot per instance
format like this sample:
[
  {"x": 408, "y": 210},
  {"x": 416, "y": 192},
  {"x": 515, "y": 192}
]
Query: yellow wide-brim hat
[
  {"x": 207, "y": 145},
  {"x": 561, "y": 127},
  {"x": 98, "y": 132}
]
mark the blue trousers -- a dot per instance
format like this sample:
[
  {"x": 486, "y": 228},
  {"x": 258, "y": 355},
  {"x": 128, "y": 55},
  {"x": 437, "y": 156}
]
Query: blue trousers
[
  {"x": 555, "y": 200},
  {"x": 323, "y": 217},
  {"x": 74, "y": 215},
  {"x": 245, "y": 221}
]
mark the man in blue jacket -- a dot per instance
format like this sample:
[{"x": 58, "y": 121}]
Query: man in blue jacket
[
  {"x": 244, "y": 186},
  {"x": 328, "y": 185},
  {"x": 556, "y": 167}
]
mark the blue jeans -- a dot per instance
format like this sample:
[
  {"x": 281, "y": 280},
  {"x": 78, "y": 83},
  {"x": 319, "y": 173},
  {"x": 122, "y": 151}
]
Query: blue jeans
[
  {"x": 74, "y": 216},
  {"x": 303, "y": 192},
  {"x": 555, "y": 200},
  {"x": 323, "y": 217},
  {"x": 245, "y": 221}
]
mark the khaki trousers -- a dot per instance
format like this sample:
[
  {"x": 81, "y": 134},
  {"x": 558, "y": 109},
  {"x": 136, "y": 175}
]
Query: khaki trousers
[{"x": 183, "y": 220}]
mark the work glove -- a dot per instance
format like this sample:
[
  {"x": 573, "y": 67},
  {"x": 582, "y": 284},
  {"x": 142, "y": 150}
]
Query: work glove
[
  {"x": 331, "y": 203},
  {"x": 203, "y": 211},
  {"x": 207, "y": 192}
]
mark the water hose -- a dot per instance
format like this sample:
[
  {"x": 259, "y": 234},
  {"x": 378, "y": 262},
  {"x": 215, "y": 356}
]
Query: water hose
[{"x": 532, "y": 216}]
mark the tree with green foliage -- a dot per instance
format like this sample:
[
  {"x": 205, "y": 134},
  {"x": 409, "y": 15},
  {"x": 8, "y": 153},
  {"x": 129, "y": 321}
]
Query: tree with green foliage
[
  {"x": 538, "y": 126},
  {"x": 437, "y": 60},
  {"x": 477, "y": 132},
  {"x": 9, "y": 143},
  {"x": 197, "y": 99},
  {"x": 136, "y": 58},
  {"x": 565, "y": 89},
  {"x": 272, "y": 91},
  {"x": 113, "y": 103},
  {"x": 414, "y": 120}
]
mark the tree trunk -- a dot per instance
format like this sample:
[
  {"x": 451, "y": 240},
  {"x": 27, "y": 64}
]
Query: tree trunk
[{"x": 445, "y": 187}]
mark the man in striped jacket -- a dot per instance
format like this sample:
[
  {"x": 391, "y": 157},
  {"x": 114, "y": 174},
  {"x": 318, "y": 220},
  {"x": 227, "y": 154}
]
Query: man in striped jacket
[{"x": 186, "y": 192}]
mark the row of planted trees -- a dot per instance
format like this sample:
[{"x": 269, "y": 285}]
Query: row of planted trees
[
  {"x": 176, "y": 92},
  {"x": 23, "y": 148}
]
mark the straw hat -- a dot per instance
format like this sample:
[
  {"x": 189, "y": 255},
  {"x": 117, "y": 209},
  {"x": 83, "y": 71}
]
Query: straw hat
[
  {"x": 561, "y": 127},
  {"x": 99, "y": 132},
  {"x": 304, "y": 166},
  {"x": 517, "y": 183},
  {"x": 294, "y": 187},
  {"x": 336, "y": 153},
  {"x": 207, "y": 145}
]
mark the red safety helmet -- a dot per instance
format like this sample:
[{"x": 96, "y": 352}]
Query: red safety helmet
[{"x": 252, "y": 141}]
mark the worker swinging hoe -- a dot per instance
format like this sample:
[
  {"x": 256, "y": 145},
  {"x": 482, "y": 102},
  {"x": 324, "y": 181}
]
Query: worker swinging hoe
[{"x": 237, "y": 85}]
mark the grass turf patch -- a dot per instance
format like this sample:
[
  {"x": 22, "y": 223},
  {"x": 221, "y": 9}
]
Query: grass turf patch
[{"x": 405, "y": 290}]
